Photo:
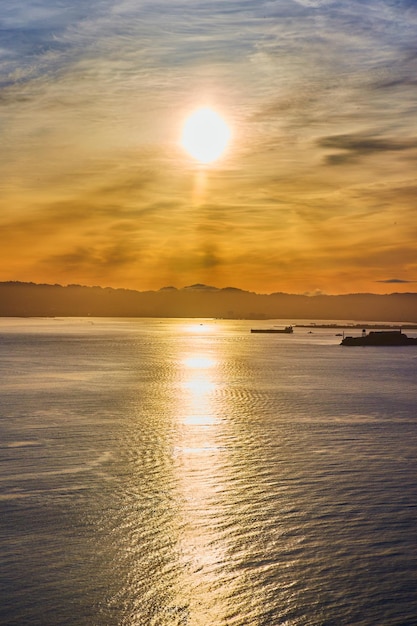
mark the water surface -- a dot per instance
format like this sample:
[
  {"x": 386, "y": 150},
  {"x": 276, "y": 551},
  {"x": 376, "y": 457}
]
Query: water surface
[{"x": 167, "y": 472}]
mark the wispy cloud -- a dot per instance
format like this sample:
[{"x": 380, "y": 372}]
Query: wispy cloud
[
  {"x": 398, "y": 281},
  {"x": 352, "y": 147},
  {"x": 318, "y": 187}
]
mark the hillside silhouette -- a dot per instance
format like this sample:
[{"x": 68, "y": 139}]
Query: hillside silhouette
[{"x": 18, "y": 299}]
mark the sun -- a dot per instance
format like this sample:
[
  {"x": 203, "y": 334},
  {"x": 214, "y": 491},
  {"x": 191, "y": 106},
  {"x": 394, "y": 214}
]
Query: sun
[{"x": 205, "y": 135}]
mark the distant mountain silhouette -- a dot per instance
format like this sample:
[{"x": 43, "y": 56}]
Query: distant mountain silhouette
[{"x": 19, "y": 299}]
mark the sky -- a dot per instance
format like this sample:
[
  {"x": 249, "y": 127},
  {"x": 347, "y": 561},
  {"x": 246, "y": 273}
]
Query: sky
[{"x": 315, "y": 193}]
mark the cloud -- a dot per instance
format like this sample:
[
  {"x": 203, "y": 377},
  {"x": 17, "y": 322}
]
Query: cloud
[
  {"x": 396, "y": 281},
  {"x": 94, "y": 185},
  {"x": 113, "y": 257},
  {"x": 353, "y": 146},
  {"x": 201, "y": 287},
  {"x": 193, "y": 259},
  {"x": 314, "y": 3}
]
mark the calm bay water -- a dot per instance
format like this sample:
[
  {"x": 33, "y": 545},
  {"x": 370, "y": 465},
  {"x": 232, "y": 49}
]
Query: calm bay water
[{"x": 186, "y": 472}]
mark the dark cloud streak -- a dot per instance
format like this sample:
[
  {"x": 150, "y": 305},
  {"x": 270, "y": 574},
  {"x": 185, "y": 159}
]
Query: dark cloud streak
[
  {"x": 396, "y": 281},
  {"x": 357, "y": 145}
]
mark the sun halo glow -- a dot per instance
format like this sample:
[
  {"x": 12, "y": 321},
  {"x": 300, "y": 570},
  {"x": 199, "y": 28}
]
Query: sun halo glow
[{"x": 205, "y": 135}]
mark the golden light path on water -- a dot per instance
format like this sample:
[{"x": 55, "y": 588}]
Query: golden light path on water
[
  {"x": 194, "y": 544},
  {"x": 214, "y": 586},
  {"x": 199, "y": 467}
]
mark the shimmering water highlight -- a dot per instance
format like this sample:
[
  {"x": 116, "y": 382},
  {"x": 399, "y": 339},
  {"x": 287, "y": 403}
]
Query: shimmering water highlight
[{"x": 159, "y": 472}]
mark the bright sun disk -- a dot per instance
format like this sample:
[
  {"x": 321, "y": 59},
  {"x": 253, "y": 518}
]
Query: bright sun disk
[{"x": 205, "y": 135}]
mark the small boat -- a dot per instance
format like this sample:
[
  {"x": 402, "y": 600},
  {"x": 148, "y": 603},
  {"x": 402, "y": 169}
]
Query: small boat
[
  {"x": 286, "y": 331},
  {"x": 380, "y": 338}
]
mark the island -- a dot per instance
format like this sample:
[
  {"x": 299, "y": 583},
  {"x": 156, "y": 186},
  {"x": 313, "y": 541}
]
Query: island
[{"x": 380, "y": 338}]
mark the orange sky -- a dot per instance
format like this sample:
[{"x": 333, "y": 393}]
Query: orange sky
[{"x": 316, "y": 192}]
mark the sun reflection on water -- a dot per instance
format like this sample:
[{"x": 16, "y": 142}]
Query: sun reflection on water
[
  {"x": 199, "y": 460},
  {"x": 200, "y": 328},
  {"x": 200, "y": 420},
  {"x": 199, "y": 362},
  {"x": 197, "y": 389}
]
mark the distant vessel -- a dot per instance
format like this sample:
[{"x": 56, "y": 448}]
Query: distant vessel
[
  {"x": 287, "y": 330},
  {"x": 380, "y": 338}
]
